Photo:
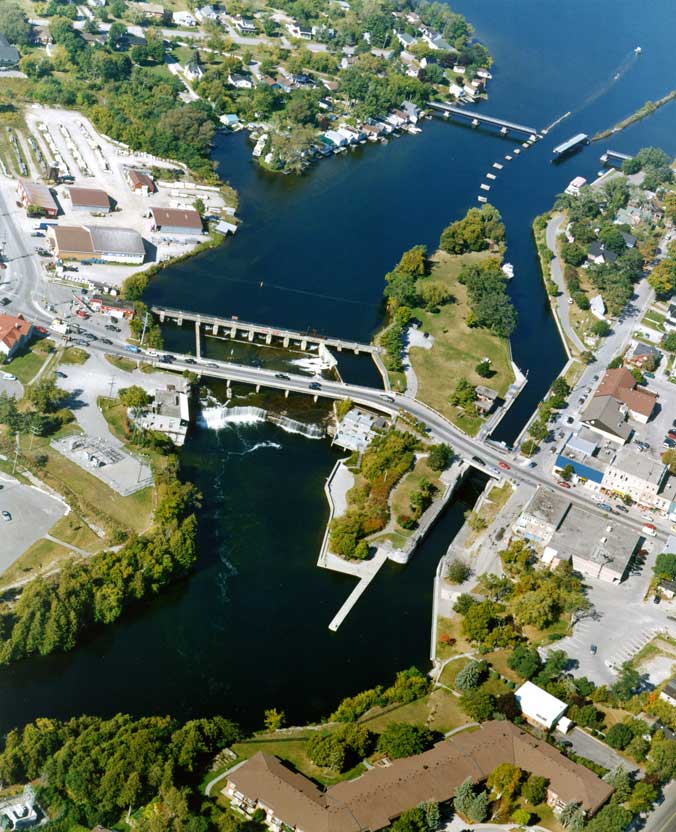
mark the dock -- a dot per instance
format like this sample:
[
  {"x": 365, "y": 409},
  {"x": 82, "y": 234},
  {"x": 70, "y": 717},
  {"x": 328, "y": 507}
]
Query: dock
[
  {"x": 252, "y": 332},
  {"x": 359, "y": 590},
  {"x": 571, "y": 144},
  {"x": 613, "y": 156},
  {"x": 477, "y": 118}
]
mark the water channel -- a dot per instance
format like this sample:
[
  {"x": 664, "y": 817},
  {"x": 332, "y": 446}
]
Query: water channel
[{"x": 249, "y": 629}]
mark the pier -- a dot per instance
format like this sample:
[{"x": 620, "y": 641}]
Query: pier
[
  {"x": 477, "y": 118},
  {"x": 257, "y": 333},
  {"x": 612, "y": 156}
]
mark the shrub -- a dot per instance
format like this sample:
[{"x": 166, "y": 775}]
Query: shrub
[
  {"x": 619, "y": 736},
  {"x": 470, "y": 676},
  {"x": 458, "y": 572},
  {"x": 400, "y": 739}
]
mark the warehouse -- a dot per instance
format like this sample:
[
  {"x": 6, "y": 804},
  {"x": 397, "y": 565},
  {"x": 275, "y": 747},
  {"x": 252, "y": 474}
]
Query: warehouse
[
  {"x": 92, "y": 242},
  {"x": 38, "y": 198},
  {"x": 92, "y": 200},
  {"x": 176, "y": 220}
]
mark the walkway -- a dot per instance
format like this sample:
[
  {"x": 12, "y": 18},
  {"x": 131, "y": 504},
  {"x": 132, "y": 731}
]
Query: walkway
[{"x": 562, "y": 311}]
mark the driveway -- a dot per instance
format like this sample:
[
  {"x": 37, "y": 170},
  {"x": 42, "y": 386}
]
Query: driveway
[
  {"x": 33, "y": 514},
  {"x": 597, "y": 751}
]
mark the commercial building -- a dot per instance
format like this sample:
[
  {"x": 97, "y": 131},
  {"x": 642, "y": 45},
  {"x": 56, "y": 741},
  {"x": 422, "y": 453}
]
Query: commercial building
[
  {"x": 635, "y": 475},
  {"x": 169, "y": 414},
  {"x": 140, "y": 182},
  {"x": 542, "y": 516},
  {"x": 9, "y": 55},
  {"x": 372, "y": 801},
  {"x": 111, "y": 305},
  {"x": 176, "y": 220},
  {"x": 15, "y": 332},
  {"x": 540, "y": 708},
  {"x": 606, "y": 416},
  {"x": 622, "y": 386},
  {"x": 93, "y": 242},
  {"x": 91, "y": 200},
  {"x": 34, "y": 195}
]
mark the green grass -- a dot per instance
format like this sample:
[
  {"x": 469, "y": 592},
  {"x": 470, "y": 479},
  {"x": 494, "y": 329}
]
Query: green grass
[
  {"x": 71, "y": 529},
  {"x": 457, "y": 348},
  {"x": 439, "y": 710},
  {"x": 124, "y": 364},
  {"x": 41, "y": 557},
  {"x": 451, "y": 627},
  {"x": 401, "y": 496},
  {"x": 495, "y": 500},
  {"x": 498, "y": 660},
  {"x": 539, "y": 637},
  {"x": 74, "y": 355},
  {"x": 451, "y": 670},
  {"x": 26, "y": 364}
]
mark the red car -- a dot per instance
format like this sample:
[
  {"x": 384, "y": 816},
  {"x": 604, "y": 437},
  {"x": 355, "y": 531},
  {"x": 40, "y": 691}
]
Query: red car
[
  {"x": 563, "y": 484},
  {"x": 503, "y": 465}
]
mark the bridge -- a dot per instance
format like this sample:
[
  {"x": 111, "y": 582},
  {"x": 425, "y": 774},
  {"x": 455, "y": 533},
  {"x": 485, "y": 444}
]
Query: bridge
[
  {"x": 477, "y": 118},
  {"x": 233, "y": 327},
  {"x": 614, "y": 156}
]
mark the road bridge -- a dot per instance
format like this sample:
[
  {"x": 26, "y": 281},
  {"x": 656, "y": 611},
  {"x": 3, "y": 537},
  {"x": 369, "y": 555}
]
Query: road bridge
[
  {"x": 480, "y": 118},
  {"x": 233, "y": 328}
]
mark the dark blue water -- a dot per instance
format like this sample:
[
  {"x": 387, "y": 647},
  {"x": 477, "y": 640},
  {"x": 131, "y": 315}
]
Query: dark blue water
[{"x": 248, "y": 630}]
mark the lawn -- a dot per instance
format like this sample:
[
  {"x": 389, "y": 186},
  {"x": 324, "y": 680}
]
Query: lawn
[
  {"x": 42, "y": 556},
  {"x": 498, "y": 660},
  {"x": 451, "y": 628},
  {"x": 538, "y": 637},
  {"x": 124, "y": 364},
  {"x": 457, "y": 348},
  {"x": 73, "y": 530},
  {"x": 74, "y": 355},
  {"x": 401, "y": 496},
  {"x": 26, "y": 364},
  {"x": 439, "y": 710},
  {"x": 495, "y": 500},
  {"x": 451, "y": 670}
]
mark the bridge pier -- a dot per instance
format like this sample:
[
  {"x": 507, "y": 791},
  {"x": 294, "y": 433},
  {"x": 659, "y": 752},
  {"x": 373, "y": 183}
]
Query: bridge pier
[
  {"x": 268, "y": 338},
  {"x": 198, "y": 342},
  {"x": 356, "y": 350},
  {"x": 233, "y": 332},
  {"x": 286, "y": 393},
  {"x": 303, "y": 344},
  {"x": 285, "y": 342},
  {"x": 251, "y": 334},
  {"x": 214, "y": 329},
  {"x": 258, "y": 388},
  {"x": 227, "y": 383},
  {"x": 503, "y": 131},
  {"x": 475, "y": 122},
  {"x": 315, "y": 397},
  {"x": 179, "y": 320},
  {"x": 161, "y": 317}
]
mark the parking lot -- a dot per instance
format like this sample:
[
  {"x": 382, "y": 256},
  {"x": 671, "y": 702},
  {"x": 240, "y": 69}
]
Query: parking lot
[{"x": 33, "y": 513}]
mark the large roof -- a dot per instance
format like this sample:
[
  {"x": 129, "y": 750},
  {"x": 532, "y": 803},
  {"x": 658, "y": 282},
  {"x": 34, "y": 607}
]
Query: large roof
[
  {"x": 621, "y": 385},
  {"x": 603, "y": 413},
  {"x": 8, "y": 53},
  {"x": 97, "y": 239},
  {"x": 89, "y": 198},
  {"x": 629, "y": 461},
  {"x": 372, "y": 801},
  {"x": 594, "y": 539},
  {"x": 537, "y": 704},
  {"x": 13, "y": 329},
  {"x": 38, "y": 194},
  {"x": 177, "y": 217},
  {"x": 548, "y": 506}
]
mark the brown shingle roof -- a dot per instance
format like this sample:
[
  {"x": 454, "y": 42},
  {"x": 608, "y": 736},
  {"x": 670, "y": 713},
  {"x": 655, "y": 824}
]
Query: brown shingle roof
[
  {"x": 89, "y": 198},
  {"x": 137, "y": 177},
  {"x": 372, "y": 801},
  {"x": 177, "y": 217},
  {"x": 621, "y": 385},
  {"x": 38, "y": 194},
  {"x": 74, "y": 238}
]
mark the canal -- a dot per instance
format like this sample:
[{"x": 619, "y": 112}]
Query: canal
[{"x": 249, "y": 629}]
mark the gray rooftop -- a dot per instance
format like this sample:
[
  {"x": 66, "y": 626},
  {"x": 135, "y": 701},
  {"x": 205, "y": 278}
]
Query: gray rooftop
[
  {"x": 604, "y": 413},
  {"x": 548, "y": 506},
  {"x": 640, "y": 465},
  {"x": 112, "y": 240},
  {"x": 8, "y": 54},
  {"x": 593, "y": 538}
]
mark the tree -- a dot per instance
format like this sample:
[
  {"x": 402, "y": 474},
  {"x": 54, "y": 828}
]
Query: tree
[
  {"x": 669, "y": 342},
  {"x": 44, "y": 394},
  {"x": 464, "y": 395},
  {"x": 572, "y": 817},
  {"x": 401, "y": 289},
  {"x": 504, "y": 780},
  {"x": 566, "y": 473},
  {"x": 529, "y": 447},
  {"x": 414, "y": 261},
  {"x": 478, "y": 808},
  {"x": 665, "y": 566},
  {"x": 662, "y": 278},
  {"x": 521, "y": 816},
  {"x": 538, "y": 430},
  {"x": 117, "y": 35},
  {"x": 470, "y": 676},
  {"x": 620, "y": 779},
  {"x": 642, "y": 797},
  {"x": 475, "y": 521},
  {"x": 440, "y": 457},
  {"x": 662, "y": 759},
  {"x": 619, "y": 736},
  {"x": 573, "y": 253},
  {"x": 478, "y": 704},
  {"x": 14, "y": 24},
  {"x": 638, "y": 749},
  {"x": 535, "y": 789},
  {"x": 458, "y": 572},
  {"x": 483, "y": 368},
  {"x": 627, "y": 682},
  {"x": 134, "y": 397},
  {"x": 274, "y": 719},
  {"x": 611, "y": 818},
  {"x": 430, "y": 809},
  {"x": 434, "y": 293},
  {"x": 400, "y": 739},
  {"x": 601, "y": 328},
  {"x": 463, "y": 796}
]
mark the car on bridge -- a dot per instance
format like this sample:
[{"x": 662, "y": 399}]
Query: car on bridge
[
  {"x": 283, "y": 376},
  {"x": 503, "y": 465},
  {"x": 314, "y": 385}
]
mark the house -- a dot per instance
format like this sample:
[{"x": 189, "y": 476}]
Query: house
[
  {"x": 599, "y": 254},
  {"x": 670, "y": 319},
  {"x": 455, "y": 90},
  {"x": 193, "y": 71},
  {"x": 207, "y": 12},
  {"x": 412, "y": 111},
  {"x": 176, "y": 220},
  {"x": 299, "y": 30},
  {"x": 15, "y": 333},
  {"x": 140, "y": 182},
  {"x": 404, "y": 39},
  {"x": 183, "y": 19},
  {"x": 95, "y": 242},
  {"x": 585, "y": 473},
  {"x": 629, "y": 239},
  {"x": 240, "y": 81},
  {"x": 169, "y": 413},
  {"x": 538, "y": 707},
  {"x": 484, "y": 74},
  {"x": 112, "y": 305},
  {"x": 542, "y": 516},
  {"x": 598, "y": 307},
  {"x": 9, "y": 55},
  {"x": 373, "y": 800},
  {"x": 668, "y": 692},
  {"x": 91, "y": 200},
  {"x": 459, "y": 69},
  {"x": 575, "y": 185},
  {"x": 595, "y": 546},
  {"x": 435, "y": 41},
  {"x": 229, "y": 120},
  {"x": 245, "y": 26},
  {"x": 607, "y": 416},
  {"x": 636, "y": 475},
  {"x": 486, "y": 398},
  {"x": 643, "y": 354},
  {"x": 38, "y": 198},
  {"x": 622, "y": 386}
]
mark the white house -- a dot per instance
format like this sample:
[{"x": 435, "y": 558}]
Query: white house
[
  {"x": 183, "y": 19},
  {"x": 206, "y": 13},
  {"x": 241, "y": 82},
  {"x": 455, "y": 90},
  {"x": 538, "y": 707}
]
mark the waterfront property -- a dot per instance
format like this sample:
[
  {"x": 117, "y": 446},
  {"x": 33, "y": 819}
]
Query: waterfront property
[
  {"x": 373, "y": 800},
  {"x": 623, "y": 387},
  {"x": 176, "y": 221},
  {"x": 95, "y": 242},
  {"x": 169, "y": 413},
  {"x": 112, "y": 305},
  {"x": 542, "y": 516}
]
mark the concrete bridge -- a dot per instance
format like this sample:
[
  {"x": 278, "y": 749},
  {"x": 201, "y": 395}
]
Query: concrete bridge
[
  {"x": 245, "y": 330},
  {"x": 477, "y": 118}
]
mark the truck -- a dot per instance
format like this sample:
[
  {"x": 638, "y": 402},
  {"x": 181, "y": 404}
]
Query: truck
[{"x": 131, "y": 348}]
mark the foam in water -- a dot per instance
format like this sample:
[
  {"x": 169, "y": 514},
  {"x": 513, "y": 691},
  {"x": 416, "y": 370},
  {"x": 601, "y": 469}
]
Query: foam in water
[{"x": 218, "y": 418}]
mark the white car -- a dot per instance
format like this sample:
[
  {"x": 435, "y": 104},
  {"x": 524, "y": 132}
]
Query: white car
[{"x": 8, "y": 377}]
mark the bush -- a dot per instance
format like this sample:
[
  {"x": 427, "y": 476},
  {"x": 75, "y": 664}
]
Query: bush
[
  {"x": 470, "y": 676},
  {"x": 479, "y": 704},
  {"x": 440, "y": 457},
  {"x": 458, "y": 572},
  {"x": 535, "y": 789},
  {"x": 400, "y": 739},
  {"x": 521, "y": 816},
  {"x": 619, "y": 736}
]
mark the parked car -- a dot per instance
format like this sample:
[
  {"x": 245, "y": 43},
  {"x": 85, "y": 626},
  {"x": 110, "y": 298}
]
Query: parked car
[
  {"x": 668, "y": 443},
  {"x": 649, "y": 529},
  {"x": 131, "y": 348},
  {"x": 593, "y": 649},
  {"x": 605, "y": 506},
  {"x": 112, "y": 328},
  {"x": 188, "y": 360},
  {"x": 6, "y": 516},
  {"x": 623, "y": 509},
  {"x": 105, "y": 340},
  {"x": 563, "y": 484},
  {"x": 386, "y": 397},
  {"x": 672, "y": 434},
  {"x": 4, "y": 301},
  {"x": 8, "y": 377}
]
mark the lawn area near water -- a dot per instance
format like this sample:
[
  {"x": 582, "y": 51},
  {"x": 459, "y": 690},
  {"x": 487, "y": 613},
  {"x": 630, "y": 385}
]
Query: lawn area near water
[{"x": 457, "y": 348}]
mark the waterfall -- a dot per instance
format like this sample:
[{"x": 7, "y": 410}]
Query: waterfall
[{"x": 219, "y": 417}]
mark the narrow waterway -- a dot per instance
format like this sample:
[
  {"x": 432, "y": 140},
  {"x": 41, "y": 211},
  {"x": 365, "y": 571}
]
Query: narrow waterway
[{"x": 249, "y": 629}]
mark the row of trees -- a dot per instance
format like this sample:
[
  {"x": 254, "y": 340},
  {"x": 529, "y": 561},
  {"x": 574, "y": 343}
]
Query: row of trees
[{"x": 489, "y": 302}]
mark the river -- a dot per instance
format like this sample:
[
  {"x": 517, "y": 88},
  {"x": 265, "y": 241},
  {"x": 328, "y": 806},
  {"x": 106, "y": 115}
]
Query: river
[{"x": 249, "y": 629}]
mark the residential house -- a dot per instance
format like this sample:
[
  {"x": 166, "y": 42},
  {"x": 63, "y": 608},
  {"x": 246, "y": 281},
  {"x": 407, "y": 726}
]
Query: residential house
[
  {"x": 193, "y": 71},
  {"x": 486, "y": 398},
  {"x": 184, "y": 19},
  {"x": 15, "y": 333},
  {"x": 240, "y": 81},
  {"x": 455, "y": 90},
  {"x": 636, "y": 475},
  {"x": 540, "y": 708},
  {"x": 230, "y": 120},
  {"x": 176, "y": 220},
  {"x": 629, "y": 239},
  {"x": 542, "y": 516},
  {"x": 299, "y": 30},
  {"x": 607, "y": 416},
  {"x": 435, "y": 41},
  {"x": 622, "y": 386},
  {"x": 112, "y": 305},
  {"x": 371, "y": 802},
  {"x": 9, "y": 55},
  {"x": 245, "y": 26},
  {"x": 34, "y": 195},
  {"x": 599, "y": 254},
  {"x": 643, "y": 354},
  {"x": 405, "y": 39},
  {"x": 412, "y": 111},
  {"x": 668, "y": 692},
  {"x": 94, "y": 242},
  {"x": 91, "y": 200},
  {"x": 597, "y": 307},
  {"x": 670, "y": 319},
  {"x": 207, "y": 12},
  {"x": 484, "y": 74},
  {"x": 140, "y": 182},
  {"x": 459, "y": 69}
]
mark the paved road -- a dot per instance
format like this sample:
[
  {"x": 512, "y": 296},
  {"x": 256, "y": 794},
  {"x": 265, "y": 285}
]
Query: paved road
[
  {"x": 556, "y": 268},
  {"x": 663, "y": 819},
  {"x": 597, "y": 751}
]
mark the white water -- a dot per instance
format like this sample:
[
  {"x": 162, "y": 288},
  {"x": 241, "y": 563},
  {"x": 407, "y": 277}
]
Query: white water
[
  {"x": 312, "y": 365},
  {"x": 220, "y": 417}
]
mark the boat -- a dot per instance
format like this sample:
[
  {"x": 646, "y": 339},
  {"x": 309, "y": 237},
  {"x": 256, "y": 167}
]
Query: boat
[
  {"x": 637, "y": 51},
  {"x": 508, "y": 270}
]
